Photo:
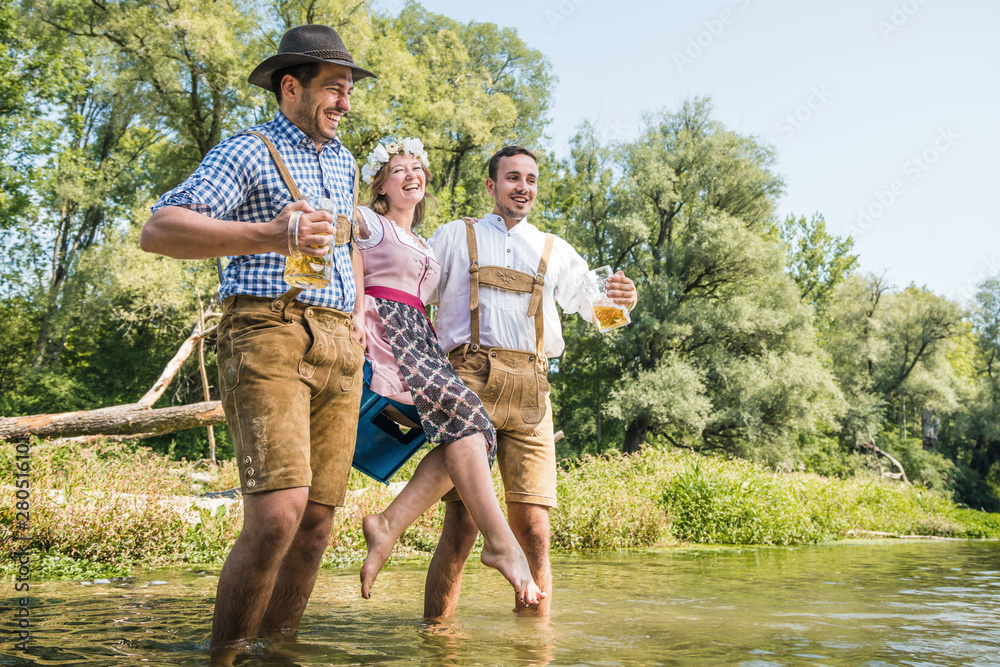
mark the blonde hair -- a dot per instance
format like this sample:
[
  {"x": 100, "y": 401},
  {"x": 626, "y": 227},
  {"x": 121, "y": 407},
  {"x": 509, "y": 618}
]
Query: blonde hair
[{"x": 380, "y": 203}]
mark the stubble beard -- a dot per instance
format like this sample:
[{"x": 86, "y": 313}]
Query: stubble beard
[
  {"x": 311, "y": 122},
  {"x": 509, "y": 213}
]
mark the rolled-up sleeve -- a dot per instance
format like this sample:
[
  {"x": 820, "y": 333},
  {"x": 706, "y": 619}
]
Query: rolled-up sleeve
[{"x": 223, "y": 180}]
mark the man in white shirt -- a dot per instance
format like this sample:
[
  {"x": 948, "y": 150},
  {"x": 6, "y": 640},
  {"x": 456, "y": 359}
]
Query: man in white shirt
[{"x": 500, "y": 281}]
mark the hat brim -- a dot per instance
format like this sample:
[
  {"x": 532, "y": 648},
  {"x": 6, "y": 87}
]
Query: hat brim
[{"x": 261, "y": 75}]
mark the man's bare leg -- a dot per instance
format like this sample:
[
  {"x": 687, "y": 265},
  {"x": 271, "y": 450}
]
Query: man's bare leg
[
  {"x": 270, "y": 522},
  {"x": 444, "y": 576},
  {"x": 461, "y": 461},
  {"x": 297, "y": 575},
  {"x": 530, "y": 524}
]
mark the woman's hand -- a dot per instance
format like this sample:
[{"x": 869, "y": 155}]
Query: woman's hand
[{"x": 359, "y": 333}]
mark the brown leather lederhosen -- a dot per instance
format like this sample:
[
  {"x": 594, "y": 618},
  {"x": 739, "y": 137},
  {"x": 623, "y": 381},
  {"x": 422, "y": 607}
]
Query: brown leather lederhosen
[{"x": 516, "y": 378}]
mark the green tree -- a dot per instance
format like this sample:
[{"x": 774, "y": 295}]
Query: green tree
[
  {"x": 721, "y": 353},
  {"x": 817, "y": 260},
  {"x": 972, "y": 434}
]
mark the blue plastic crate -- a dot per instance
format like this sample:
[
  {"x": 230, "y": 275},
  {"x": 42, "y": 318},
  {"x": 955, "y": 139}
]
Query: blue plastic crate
[{"x": 384, "y": 445}]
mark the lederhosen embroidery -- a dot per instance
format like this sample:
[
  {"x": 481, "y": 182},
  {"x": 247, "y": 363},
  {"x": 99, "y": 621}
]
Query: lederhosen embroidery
[{"x": 514, "y": 377}]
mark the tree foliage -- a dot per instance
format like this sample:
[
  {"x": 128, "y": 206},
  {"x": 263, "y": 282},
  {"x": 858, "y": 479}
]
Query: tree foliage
[{"x": 753, "y": 336}]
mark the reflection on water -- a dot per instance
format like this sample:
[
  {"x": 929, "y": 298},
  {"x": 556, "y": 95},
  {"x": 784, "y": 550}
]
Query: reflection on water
[{"x": 927, "y": 603}]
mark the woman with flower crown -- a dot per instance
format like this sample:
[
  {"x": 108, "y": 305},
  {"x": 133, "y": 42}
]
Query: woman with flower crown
[{"x": 408, "y": 365}]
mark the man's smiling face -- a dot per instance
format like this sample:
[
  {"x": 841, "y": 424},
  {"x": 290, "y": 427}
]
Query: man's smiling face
[
  {"x": 515, "y": 189},
  {"x": 317, "y": 107}
]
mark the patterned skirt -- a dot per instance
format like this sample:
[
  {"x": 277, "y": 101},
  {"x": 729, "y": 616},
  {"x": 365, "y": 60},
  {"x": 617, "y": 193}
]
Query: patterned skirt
[{"x": 448, "y": 409}]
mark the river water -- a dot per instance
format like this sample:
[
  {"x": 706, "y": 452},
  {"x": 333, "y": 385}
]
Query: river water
[{"x": 882, "y": 603}]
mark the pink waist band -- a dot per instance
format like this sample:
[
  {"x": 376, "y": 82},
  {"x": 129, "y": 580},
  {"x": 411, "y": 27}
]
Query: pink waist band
[{"x": 396, "y": 295}]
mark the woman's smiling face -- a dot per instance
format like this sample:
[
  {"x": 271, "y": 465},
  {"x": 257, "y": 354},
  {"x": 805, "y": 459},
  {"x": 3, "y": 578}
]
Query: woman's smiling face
[{"x": 406, "y": 182}]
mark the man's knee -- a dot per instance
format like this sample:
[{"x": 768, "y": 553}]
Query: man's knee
[
  {"x": 273, "y": 518},
  {"x": 314, "y": 528},
  {"x": 530, "y": 525}
]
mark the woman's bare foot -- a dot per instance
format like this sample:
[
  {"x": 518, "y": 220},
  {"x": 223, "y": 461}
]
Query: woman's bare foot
[
  {"x": 512, "y": 564},
  {"x": 380, "y": 543}
]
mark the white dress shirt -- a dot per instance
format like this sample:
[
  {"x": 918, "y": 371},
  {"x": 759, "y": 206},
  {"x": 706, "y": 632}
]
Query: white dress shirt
[{"x": 503, "y": 318}]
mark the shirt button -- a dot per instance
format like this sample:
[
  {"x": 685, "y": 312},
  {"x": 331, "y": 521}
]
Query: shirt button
[{"x": 508, "y": 249}]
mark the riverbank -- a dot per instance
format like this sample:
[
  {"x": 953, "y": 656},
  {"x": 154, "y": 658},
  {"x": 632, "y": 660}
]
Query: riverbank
[{"x": 105, "y": 510}]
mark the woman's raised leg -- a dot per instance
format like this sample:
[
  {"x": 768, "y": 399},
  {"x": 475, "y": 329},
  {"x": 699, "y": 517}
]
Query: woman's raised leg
[{"x": 461, "y": 464}]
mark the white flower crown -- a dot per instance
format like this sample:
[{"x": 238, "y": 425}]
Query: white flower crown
[{"x": 386, "y": 149}]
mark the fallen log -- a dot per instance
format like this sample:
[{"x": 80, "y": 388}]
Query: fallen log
[
  {"x": 135, "y": 419},
  {"x": 118, "y": 420}
]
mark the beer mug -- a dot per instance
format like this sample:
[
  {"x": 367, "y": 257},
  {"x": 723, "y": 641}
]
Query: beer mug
[
  {"x": 306, "y": 271},
  {"x": 608, "y": 314}
]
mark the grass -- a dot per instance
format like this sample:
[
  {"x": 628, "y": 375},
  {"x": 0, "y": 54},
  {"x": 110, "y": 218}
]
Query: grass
[{"x": 104, "y": 510}]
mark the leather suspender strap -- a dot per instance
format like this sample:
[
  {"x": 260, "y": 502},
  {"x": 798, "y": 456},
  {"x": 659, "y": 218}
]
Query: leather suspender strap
[
  {"x": 536, "y": 297},
  {"x": 536, "y": 290},
  {"x": 470, "y": 235},
  {"x": 282, "y": 302},
  {"x": 344, "y": 232},
  {"x": 355, "y": 213},
  {"x": 505, "y": 279},
  {"x": 345, "y": 225}
]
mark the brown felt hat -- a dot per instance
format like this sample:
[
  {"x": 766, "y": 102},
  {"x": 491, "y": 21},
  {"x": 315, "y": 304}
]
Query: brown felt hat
[{"x": 306, "y": 44}]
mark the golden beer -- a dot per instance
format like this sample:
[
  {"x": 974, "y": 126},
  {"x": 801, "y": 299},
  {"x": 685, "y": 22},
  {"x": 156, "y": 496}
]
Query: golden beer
[
  {"x": 306, "y": 271},
  {"x": 610, "y": 317}
]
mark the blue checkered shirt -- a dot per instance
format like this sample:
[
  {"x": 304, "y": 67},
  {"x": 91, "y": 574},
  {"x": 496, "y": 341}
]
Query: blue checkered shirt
[{"x": 238, "y": 180}]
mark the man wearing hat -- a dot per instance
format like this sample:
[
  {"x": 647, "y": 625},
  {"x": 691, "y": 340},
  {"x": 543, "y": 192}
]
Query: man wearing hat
[{"x": 289, "y": 360}]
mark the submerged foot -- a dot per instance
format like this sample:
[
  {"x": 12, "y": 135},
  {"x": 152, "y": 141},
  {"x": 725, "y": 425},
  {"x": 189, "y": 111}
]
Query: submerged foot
[
  {"x": 512, "y": 564},
  {"x": 380, "y": 544}
]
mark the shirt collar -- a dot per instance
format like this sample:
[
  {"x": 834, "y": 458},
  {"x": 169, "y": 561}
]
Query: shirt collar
[
  {"x": 497, "y": 221},
  {"x": 296, "y": 137}
]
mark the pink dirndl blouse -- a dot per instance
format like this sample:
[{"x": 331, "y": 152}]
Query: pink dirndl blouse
[{"x": 400, "y": 268}]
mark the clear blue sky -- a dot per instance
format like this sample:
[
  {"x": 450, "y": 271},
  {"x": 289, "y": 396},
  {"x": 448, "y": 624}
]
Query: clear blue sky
[{"x": 887, "y": 107}]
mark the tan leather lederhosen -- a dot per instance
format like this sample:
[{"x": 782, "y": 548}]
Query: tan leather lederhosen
[{"x": 517, "y": 379}]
